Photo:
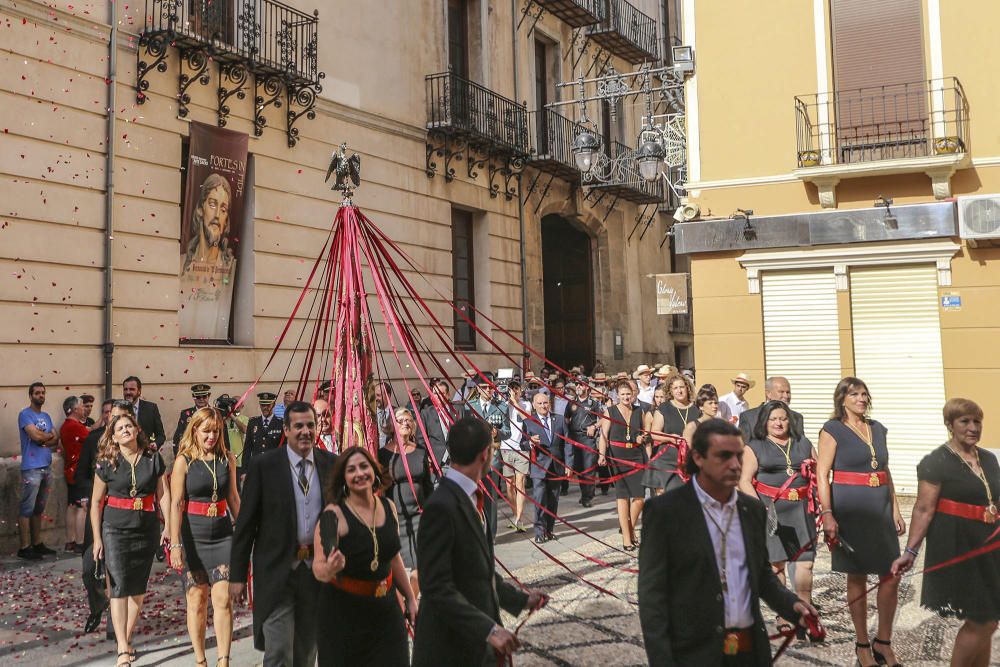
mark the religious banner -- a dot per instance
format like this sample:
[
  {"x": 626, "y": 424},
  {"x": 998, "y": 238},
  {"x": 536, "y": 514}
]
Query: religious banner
[
  {"x": 671, "y": 293},
  {"x": 213, "y": 207}
]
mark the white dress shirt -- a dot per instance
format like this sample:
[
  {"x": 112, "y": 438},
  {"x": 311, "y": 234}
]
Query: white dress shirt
[
  {"x": 646, "y": 395},
  {"x": 735, "y": 404},
  {"x": 467, "y": 485},
  {"x": 736, "y": 597}
]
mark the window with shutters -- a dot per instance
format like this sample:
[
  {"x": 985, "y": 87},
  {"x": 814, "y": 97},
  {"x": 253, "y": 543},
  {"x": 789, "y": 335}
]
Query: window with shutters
[{"x": 463, "y": 278}]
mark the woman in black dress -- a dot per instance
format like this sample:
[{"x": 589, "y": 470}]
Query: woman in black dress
[
  {"x": 203, "y": 486},
  {"x": 708, "y": 405},
  {"x": 860, "y": 510},
  {"x": 410, "y": 483},
  {"x": 363, "y": 623},
  {"x": 959, "y": 485},
  {"x": 773, "y": 471},
  {"x": 622, "y": 431},
  {"x": 671, "y": 419},
  {"x": 127, "y": 483}
]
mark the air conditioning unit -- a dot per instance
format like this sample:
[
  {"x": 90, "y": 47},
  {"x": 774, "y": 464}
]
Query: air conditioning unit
[{"x": 979, "y": 219}]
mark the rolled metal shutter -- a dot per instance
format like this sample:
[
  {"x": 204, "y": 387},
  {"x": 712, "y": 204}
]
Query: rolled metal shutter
[
  {"x": 897, "y": 352},
  {"x": 802, "y": 340}
]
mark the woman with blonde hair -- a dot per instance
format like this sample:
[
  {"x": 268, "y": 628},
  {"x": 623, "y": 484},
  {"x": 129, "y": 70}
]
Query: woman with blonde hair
[
  {"x": 671, "y": 418},
  {"x": 128, "y": 481},
  {"x": 958, "y": 487},
  {"x": 860, "y": 514},
  {"x": 203, "y": 486}
]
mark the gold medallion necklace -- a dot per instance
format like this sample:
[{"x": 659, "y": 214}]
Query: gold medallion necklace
[
  {"x": 371, "y": 529},
  {"x": 213, "y": 508},
  {"x": 786, "y": 451},
  {"x": 866, "y": 437},
  {"x": 990, "y": 514},
  {"x": 133, "y": 491},
  {"x": 628, "y": 422}
]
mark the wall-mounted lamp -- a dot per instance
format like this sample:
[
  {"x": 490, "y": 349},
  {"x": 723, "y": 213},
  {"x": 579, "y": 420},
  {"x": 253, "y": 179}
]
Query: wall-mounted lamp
[
  {"x": 749, "y": 233},
  {"x": 889, "y": 220},
  {"x": 683, "y": 59}
]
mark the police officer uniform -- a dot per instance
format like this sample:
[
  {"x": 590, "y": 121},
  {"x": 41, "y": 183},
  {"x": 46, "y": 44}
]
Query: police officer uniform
[
  {"x": 262, "y": 434},
  {"x": 496, "y": 414},
  {"x": 197, "y": 391}
]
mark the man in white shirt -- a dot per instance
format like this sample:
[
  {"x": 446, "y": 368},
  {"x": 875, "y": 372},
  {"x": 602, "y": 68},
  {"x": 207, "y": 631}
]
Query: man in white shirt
[
  {"x": 696, "y": 615},
  {"x": 734, "y": 400},
  {"x": 644, "y": 376},
  {"x": 515, "y": 461}
]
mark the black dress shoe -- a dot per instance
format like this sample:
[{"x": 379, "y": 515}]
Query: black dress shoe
[
  {"x": 564, "y": 492},
  {"x": 93, "y": 621},
  {"x": 28, "y": 553},
  {"x": 587, "y": 503},
  {"x": 43, "y": 550}
]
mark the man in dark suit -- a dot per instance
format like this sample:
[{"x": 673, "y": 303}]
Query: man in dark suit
[
  {"x": 200, "y": 393},
  {"x": 776, "y": 388},
  {"x": 283, "y": 496},
  {"x": 581, "y": 422},
  {"x": 437, "y": 419},
  {"x": 461, "y": 592},
  {"x": 703, "y": 565},
  {"x": 263, "y": 432},
  {"x": 147, "y": 413},
  {"x": 551, "y": 457}
]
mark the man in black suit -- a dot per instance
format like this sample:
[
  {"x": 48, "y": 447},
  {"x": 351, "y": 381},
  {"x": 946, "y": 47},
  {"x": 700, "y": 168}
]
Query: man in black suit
[
  {"x": 776, "y": 388},
  {"x": 703, "y": 565},
  {"x": 437, "y": 419},
  {"x": 461, "y": 592},
  {"x": 551, "y": 457},
  {"x": 581, "y": 422},
  {"x": 263, "y": 432},
  {"x": 147, "y": 413},
  {"x": 283, "y": 496}
]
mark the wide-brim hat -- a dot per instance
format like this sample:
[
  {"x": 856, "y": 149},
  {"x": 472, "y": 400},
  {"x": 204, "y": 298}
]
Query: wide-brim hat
[
  {"x": 643, "y": 368},
  {"x": 743, "y": 377},
  {"x": 599, "y": 378},
  {"x": 665, "y": 371},
  {"x": 531, "y": 378},
  {"x": 201, "y": 390}
]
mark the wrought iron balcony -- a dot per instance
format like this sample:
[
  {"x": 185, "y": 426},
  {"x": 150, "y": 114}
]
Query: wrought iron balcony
[
  {"x": 552, "y": 144},
  {"x": 575, "y": 13},
  {"x": 466, "y": 120},
  {"x": 626, "y": 32},
  {"x": 891, "y": 122},
  {"x": 266, "y": 40},
  {"x": 618, "y": 174}
]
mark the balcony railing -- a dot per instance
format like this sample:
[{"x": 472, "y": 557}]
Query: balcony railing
[
  {"x": 576, "y": 13},
  {"x": 459, "y": 108},
  {"x": 552, "y": 138},
  {"x": 891, "y": 122},
  {"x": 618, "y": 174},
  {"x": 268, "y": 36},
  {"x": 626, "y": 32}
]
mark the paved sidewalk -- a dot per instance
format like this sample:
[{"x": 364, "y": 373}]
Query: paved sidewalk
[{"x": 42, "y": 609}]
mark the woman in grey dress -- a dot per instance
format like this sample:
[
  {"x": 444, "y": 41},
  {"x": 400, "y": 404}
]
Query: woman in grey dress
[{"x": 861, "y": 511}]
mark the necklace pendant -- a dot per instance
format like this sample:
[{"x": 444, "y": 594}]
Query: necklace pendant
[
  {"x": 374, "y": 565},
  {"x": 215, "y": 497},
  {"x": 137, "y": 503},
  {"x": 131, "y": 492},
  {"x": 789, "y": 471},
  {"x": 874, "y": 464},
  {"x": 873, "y": 481},
  {"x": 213, "y": 510},
  {"x": 793, "y": 495},
  {"x": 990, "y": 514}
]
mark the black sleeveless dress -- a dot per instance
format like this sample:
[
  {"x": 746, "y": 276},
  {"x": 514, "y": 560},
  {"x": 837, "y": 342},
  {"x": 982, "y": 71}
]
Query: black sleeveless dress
[
  {"x": 863, "y": 513},
  {"x": 793, "y": 515},
  {"x": 130, "y": 536},
  {"x": 629, "y": 486},
  {"x": 207, "y": 540},
  {"x": 358, "y": 630},
  {"x": 663, "y": 472},
  {"x": 970, "y": 589}
]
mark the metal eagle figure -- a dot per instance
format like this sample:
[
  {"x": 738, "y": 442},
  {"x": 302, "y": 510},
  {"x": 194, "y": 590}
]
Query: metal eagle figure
[{"x": 347, "y": 170}]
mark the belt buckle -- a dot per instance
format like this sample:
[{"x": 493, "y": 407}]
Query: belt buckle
[
  {"x": 137, "y": 504},
  {"x": 302, "y": 553},
  {"x": 731, "y": 644},
  {"x": 793, "y": 494},
  {"x": 873, "y": 480}
]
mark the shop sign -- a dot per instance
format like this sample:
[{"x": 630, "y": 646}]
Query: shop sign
[{"x": 671, "y": 293}]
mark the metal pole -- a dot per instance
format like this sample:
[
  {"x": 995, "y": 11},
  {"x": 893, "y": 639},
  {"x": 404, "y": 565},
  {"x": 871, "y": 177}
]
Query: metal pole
[
  {"x": 520, "y": 206},
  {"x": 109, "y": 201}
]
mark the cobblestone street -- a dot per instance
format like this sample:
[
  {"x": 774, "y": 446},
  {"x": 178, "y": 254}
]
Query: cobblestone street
[{"x": 43, "y": 610}]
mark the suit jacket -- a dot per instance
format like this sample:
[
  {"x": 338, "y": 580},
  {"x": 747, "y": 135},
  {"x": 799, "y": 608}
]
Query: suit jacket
[
  {"x": 551, "y": 455},
  {"x": 748, "y": 419},
  {"x": 435, "y": 434},
  {"x": 260, "y": 439},
  {"x": 461, "y": 593},
  {"x": 151, "y": 423},
  {"x": 680, "y": 595},
  {"x": 182, "y": 422},
  {"x": 267, "y": 511}
]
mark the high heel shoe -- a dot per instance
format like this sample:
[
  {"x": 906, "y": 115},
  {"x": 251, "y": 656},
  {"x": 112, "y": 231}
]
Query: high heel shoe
[
  {"x": 858, "y": 647},
  {"x": 878, "y": 655}
]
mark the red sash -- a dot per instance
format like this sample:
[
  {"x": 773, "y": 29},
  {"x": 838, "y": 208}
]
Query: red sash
[
  {"x": 139, "y": 503},
  {"x": 967, "y": 511},
  {"x": 872, "y": 479}
]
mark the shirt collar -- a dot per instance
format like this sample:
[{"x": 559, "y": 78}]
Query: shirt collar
[
  {"x": 294, "y": 458},
  {"x": 705, "y": 499},
  {"x": 465, "y": 483}
]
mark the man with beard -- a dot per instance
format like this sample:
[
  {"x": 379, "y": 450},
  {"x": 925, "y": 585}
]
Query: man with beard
[
  {"x": 147, "y": 413},
  {"x": 209, "y": 266}
]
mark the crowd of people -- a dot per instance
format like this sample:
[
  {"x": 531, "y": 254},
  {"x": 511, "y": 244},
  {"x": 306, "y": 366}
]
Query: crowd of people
[{"x": 272, "y": 506}]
